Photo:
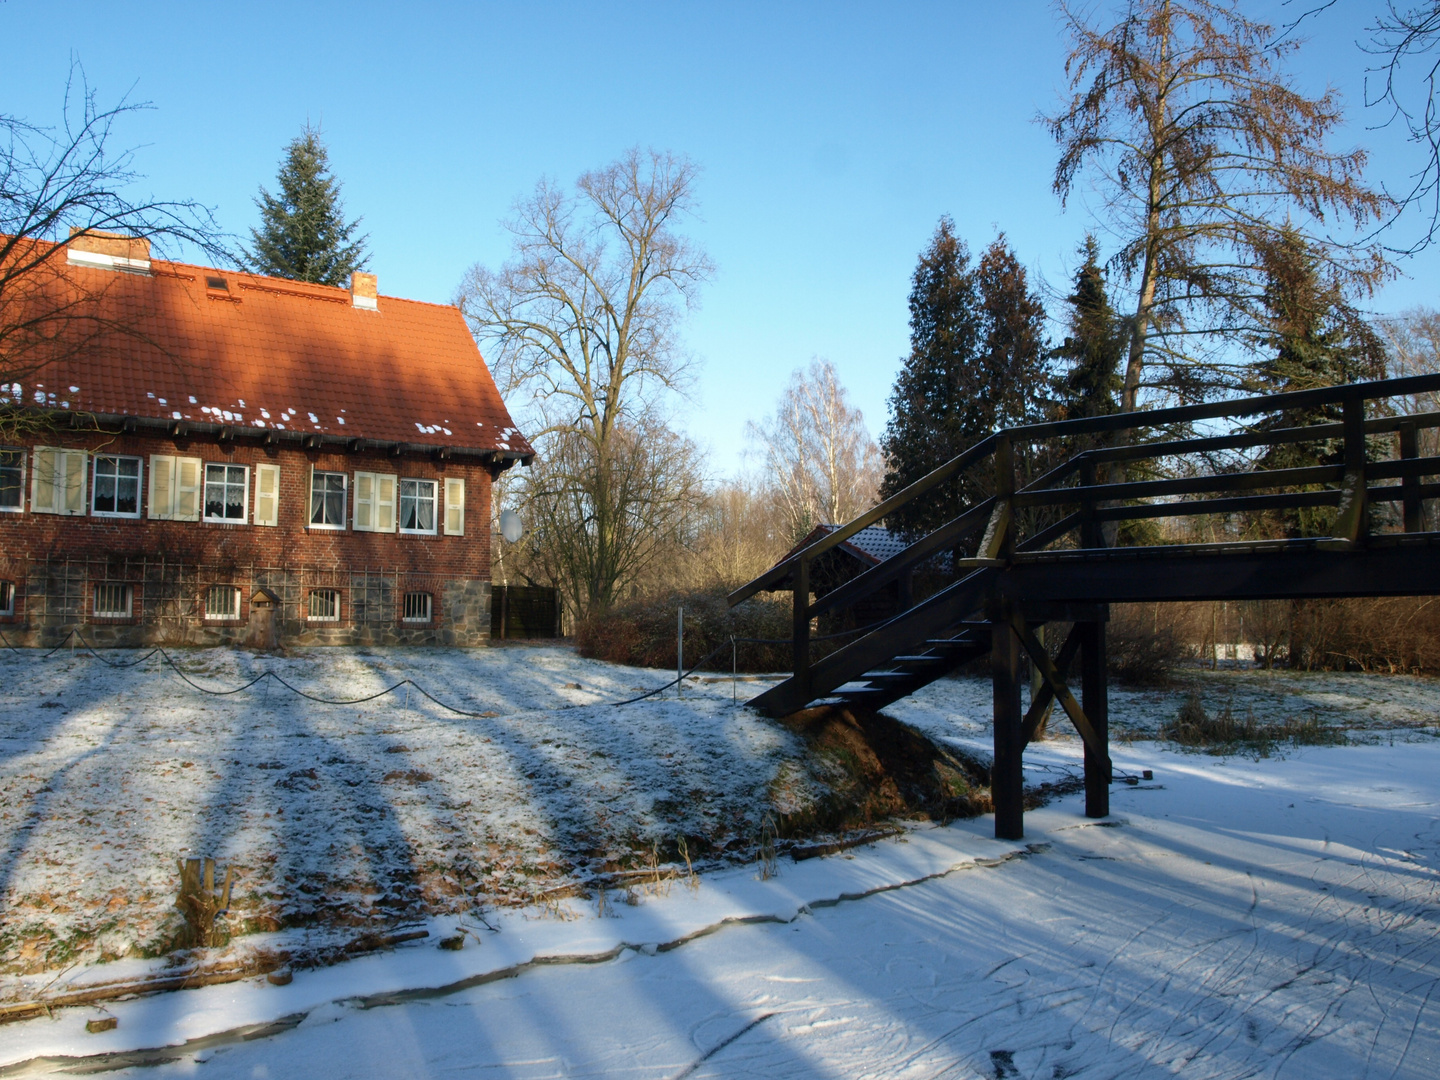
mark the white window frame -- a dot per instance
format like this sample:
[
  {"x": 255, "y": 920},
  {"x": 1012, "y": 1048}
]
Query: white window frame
[
  {"x": 96, "y": 459},
  {"x": 7, "y": 598},
  {"x": 344, "y": 501},
  {"x": 20, "y": 459},
  {"x": 429, "y": 605},
  {"x": 220, "y": 590},
  {"x": 314, "y": 594},
  {"x": 69, "y": 462},
  {"x": 244, "y": 518},
  {"x": 434, "y": 506},
  {"x": 108, "y": 587}
]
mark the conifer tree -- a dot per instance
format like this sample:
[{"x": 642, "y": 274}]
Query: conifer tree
[
  {"x": 303, "y": 233},
  {"x": 1315, "y": 339},
  {"x": 1093, "y": 349},
  {"x": 976, "y": 363}
]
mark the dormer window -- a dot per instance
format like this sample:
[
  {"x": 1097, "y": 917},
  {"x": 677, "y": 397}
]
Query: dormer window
[{"x": 217, "y": 283}]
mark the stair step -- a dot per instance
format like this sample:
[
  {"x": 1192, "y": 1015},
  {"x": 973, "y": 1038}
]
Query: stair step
[
  {"x": 926, "y": 659},
  {"x": 952, "y": 643},
  {"x": 888, "y": 676}
]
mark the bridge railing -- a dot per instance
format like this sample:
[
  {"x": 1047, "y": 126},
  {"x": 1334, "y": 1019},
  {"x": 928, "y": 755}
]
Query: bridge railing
[{"x": 1092, "y": 488}]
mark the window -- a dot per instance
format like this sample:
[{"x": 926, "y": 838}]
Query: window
[
  {"x": 7, "y": 598},
  {"x": 226, "y": 492},
  {"x": 417, "y": 607},
  {"x": 327, "y": 500},
  {"x": 112, "y": 601},
  {"x": 174, "y": 488},
  {"x": 375, "y": 502},
  {"x": 57, "y": 483},
  {"x": 417, "y": 506},
  {"x": 12, "y": 478},
  {"x": 117, "y": 486},
  {"x": 324, "y": 605},
  {"x": 267, "y": 494},
  {"x": 222, "y": 602}
]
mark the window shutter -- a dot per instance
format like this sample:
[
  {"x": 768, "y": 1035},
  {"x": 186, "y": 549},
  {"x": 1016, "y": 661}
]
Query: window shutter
[
  {"x": 42, "y": 481},
  {"x": 267, "y": 494},
  {"x": 454, "y": 506},
  {"x": 364, "y": 502},
  {"x": 189, "y": 472},
  {"x": 385, "y": 487},
  {"x": 162, "y": 487},
  {"x": 73, "y": 496}
]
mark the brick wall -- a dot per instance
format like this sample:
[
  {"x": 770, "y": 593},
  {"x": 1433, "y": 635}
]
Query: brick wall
[{"x": 54, "y": 561}]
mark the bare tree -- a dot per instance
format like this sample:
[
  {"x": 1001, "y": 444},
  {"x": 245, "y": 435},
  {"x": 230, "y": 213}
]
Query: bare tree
[
  {"x": 739, "y": 533},
  {"x": 1412, "y": 341},
  {"x": 58, "y": 185},
  {"x": 584, "y": 319},
  {"x": 1202, "y": 150},
  {"x": 601, "y": 519},
  {"x": 820, "y": 460},
  {"x": 1401, "y": 36}
]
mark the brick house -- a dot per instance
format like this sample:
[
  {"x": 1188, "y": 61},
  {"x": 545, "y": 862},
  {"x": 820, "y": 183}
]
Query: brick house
[{"x": 239, "y": 459}]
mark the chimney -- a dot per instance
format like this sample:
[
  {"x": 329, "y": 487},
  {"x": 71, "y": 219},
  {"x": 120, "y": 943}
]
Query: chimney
[
  {"x": 108, "y": 251},
  {"x": 364, "y": 290}
]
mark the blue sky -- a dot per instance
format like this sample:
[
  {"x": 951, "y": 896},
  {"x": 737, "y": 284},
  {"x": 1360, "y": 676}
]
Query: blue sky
[{"x": 831, "y": 136}]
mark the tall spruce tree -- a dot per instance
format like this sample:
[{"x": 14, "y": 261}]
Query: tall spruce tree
[
  {"x": 1091, "y": 353},
  {"x": 1315, "y": 339},
  {"x": 303, "y": 233},
  {"x": 977, "y": 362}
]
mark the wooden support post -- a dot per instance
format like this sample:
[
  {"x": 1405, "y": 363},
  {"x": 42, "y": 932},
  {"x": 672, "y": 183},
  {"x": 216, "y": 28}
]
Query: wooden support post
[
  {"x": 1090, "y": 534},
  {"x": 1352, "y": 522},
  {"x": 1410, "y": 485},
  {"x": 1007, "y": 777},
  {"x": 800, "y": 627},
  {"x": 1095, "y": 701}
]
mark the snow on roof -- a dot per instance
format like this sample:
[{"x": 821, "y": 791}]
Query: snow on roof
[{"x": 271, "y": 353}]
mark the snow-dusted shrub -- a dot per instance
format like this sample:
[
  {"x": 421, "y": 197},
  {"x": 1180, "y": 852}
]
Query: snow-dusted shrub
[{"x": 642, "y": 632}]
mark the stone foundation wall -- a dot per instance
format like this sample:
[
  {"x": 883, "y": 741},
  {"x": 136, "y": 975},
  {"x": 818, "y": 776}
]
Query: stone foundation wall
[{"x": 167, "y": 602}]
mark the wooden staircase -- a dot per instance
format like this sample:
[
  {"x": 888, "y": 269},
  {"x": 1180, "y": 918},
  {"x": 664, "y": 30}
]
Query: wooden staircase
[{"x": 1042, "y": 555}]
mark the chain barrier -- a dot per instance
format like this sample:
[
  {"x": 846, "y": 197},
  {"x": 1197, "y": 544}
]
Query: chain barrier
[{"x": 184, "y": 676}]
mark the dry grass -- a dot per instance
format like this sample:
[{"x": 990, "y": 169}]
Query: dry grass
[{"x": 1225, "y": 733}]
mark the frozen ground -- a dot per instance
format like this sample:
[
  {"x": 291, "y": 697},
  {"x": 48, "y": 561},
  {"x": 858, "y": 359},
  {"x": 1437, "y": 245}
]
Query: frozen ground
[
  {"x": 1272, "y": 918},
  {"x": 1238, "y": 918},
  {"x": 339, "y": 819}
]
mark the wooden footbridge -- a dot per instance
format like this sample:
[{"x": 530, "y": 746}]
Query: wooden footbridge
[{"x": 1050, "y": 549}]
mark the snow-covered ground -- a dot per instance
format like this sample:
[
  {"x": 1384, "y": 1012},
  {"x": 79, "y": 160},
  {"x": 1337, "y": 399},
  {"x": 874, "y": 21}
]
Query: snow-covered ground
[
  {"x": 338, "y": 819},
  {"x": 1233, "y": 918}
]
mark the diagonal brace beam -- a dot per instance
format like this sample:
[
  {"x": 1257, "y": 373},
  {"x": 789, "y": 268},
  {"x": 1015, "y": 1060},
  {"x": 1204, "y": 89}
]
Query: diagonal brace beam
[
  {"x": 1057, "y": 687},
  {"x": 1068, "y": 652}
]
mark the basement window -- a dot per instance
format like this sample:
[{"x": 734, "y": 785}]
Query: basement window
[
  {"x": 7, "y": 598},
  {"x": 112, "y": 601},
  {"x": 417, "y": 607},
  {"x": 324, "y": 605},
  {"x": 222, "y": 602}
]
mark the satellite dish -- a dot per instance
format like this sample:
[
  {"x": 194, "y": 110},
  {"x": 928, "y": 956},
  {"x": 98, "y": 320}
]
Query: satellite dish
[{"x": 510, "y": 527}]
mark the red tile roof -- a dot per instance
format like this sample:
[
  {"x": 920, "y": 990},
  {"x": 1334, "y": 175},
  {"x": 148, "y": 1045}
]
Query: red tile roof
[{"x": 268, "y": 353}]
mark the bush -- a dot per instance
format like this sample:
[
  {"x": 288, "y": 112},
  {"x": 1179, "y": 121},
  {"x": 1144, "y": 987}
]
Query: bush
[
  {"x": 1196, "y": 729},
  {"x": 642, "y": 632},
  {"x": 1144, "y": 641}
]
